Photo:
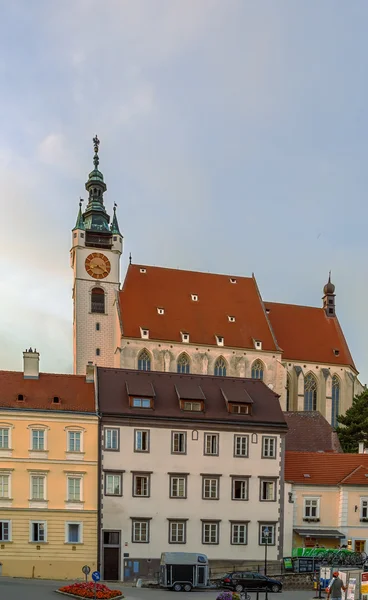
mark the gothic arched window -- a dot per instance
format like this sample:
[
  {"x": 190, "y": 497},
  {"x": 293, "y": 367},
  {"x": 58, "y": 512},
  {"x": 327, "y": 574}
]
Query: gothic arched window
[
  {"x": 97, "y": 300},
  {"x": 183, "y": 364},
  {"x": 310, "y": 392},
  {"x": 335, "y": 400},
  {"x": 220, "y": 367},
  {"x": 287, "y": 392},
  {"x": 257, "y": 369},
  {"x": 144, "y": 361}
]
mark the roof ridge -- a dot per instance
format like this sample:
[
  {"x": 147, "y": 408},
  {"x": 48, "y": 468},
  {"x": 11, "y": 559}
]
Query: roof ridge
[
  {"x": 352, "y": 473},
  {"x": 231, "y": 275}
]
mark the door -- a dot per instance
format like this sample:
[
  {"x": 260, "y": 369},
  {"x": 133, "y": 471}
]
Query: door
[
  {"x": 111, "y": 555},
  {"x": 359, "y": 545},
  {"x": 202, "y": 575}
]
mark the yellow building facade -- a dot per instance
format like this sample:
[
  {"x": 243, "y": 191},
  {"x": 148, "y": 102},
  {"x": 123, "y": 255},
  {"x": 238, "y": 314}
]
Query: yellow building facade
[{"x": 48, "y": 475}]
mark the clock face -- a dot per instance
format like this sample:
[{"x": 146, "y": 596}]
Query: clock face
[{"x": 97, "y": 265}]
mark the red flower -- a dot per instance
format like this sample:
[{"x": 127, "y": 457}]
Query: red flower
[{"x": 87, "y": 590}]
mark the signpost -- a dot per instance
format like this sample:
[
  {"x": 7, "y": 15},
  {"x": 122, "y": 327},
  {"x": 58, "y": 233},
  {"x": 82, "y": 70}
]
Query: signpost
[
  {"x": 86, "y": 570},
  {"x": 96, "y": 577}
]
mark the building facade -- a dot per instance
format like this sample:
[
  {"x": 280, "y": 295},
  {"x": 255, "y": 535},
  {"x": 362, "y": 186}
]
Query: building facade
[
  {"x": 190, "y": 322},
  {"x": 326, "y": 500},
  {"x": 48, "y": 473},
  {"x": 189, "y": 463}
]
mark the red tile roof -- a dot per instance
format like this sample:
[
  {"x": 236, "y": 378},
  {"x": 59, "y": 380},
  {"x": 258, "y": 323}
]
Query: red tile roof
[
  {"x": 218, "y": 298},
  {"x": 307, "y": 333},
  {"x": 73, "y": 391},
  {"x": 326, "y": 469}
]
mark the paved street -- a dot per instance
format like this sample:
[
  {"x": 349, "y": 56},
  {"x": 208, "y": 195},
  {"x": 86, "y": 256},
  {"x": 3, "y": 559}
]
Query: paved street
[{"x": 19, "y": 589}]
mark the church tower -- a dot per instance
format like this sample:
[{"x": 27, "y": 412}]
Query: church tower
[{"x": 95, "y": 259}]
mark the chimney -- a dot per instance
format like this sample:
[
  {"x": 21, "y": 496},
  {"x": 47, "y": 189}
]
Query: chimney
[
  {"x": 90, "y": 372},
  {"x": 31, "y": 364},
  {"x": 361, "y": 448}
]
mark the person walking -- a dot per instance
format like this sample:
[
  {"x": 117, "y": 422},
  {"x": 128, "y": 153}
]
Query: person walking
[{"x": 335, "y": 587}]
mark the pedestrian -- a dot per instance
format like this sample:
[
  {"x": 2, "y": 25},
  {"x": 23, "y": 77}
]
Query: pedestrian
[{"x": 335, "y": 587}]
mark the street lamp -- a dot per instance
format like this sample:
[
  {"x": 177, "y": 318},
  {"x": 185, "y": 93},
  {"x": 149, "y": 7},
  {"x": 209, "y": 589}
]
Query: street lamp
[{"x": 266, "y": 533}]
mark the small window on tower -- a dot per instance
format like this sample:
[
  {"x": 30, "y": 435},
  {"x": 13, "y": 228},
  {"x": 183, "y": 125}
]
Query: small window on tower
[
  {"x": 82, "y": 235},
  {"x": 115, "y": 238},
  {"x": 75, "y": 234},
  {"x": 97, "y": 327},
  {"x": 98, "y": 300},
  {"x": 98, "y": 352},
  {"x": 56, "y": 400}
]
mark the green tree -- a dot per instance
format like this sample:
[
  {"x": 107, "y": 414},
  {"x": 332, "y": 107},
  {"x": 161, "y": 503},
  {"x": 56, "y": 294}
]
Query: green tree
[{"x": 355, "y": 424}]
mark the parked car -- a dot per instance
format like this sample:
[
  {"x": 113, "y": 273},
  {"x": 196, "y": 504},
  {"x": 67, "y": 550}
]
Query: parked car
[{"x": 245, "y": 580}]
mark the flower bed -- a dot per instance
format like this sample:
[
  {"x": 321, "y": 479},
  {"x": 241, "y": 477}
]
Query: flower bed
[
  {"x": 87, "y": 590},
  {"x": 228, "y": 596}
]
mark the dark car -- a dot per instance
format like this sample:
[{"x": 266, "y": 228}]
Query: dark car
[{"x": 245, "y": 580}]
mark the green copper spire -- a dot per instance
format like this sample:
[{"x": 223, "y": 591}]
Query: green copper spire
[
  {"x": 79, "y": 223},
  {"x": 95, "y": 216},
  {"x": 115, "y": 224}
]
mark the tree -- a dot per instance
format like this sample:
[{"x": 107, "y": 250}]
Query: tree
[{"x": 355, "y": 424}]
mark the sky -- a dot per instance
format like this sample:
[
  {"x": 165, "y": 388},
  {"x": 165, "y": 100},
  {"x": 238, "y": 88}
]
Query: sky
[{"x": 234, "y": 139}]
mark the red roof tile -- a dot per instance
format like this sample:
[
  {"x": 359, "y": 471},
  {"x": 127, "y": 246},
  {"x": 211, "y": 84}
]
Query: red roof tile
[
  {"x": 73, "y": 391},
  {"x": 306, "y": 333},
  {"x": 218, "y": 298},
  {"x": 326, "y": 469}
]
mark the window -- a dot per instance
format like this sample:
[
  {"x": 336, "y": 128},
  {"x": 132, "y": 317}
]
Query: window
[
  {"x": 210, "y": 532},
  {"x": 4, "y": 438},
  {"x": 311, "y": 508},
  {"x": 97, "y": 327},
  {"x": 5, "y": 531},
  {"x": 288, "y": 393},
  {"x": 4, "y": 486},
  {"x": 98, "y": 352},
  {"x": 220, "y": 367},
  {"x": 113, "y": 484},
  {"x": 178, "y": 442},
  {"x": 268, "y": 447},
  {"x": 141, "y": 440},
  {"x": 364, "y": 508},
  {"x": 239, "y": 488},
  {"x": 141, "y": 485},
  {"x": 184, "y": 337},
  {"x": 211, "y": 444},
  {"x": 177, "y": 532},
  {"x": 140, "y": 531},
  {"x": 73, "y": 533},
  {"x": 219, "y": 340},
  {"x": 239, "y": 534},
  {"x": 161, "y": 311},
  {"x": 183, "y": 365},
  {"x": 231, "y": 319},
  {"x": 310, "y": 392},
  {"x": 144, "y": 361},
  {"x": 268, "y": 490},
  {"x": 335, "y": 400},
  {"x": 38, "y": 439},
  {"x": 74, "y": 441},
  {"x": 144, "y": 333},
  {"x": 194, "y": 297},
  {"x": 178, "y": 486},
  {"x": 210, "y": 488},
  {"x": 37, "y": 487},
  {"x": 257, "y": 369},
  {"x": 38, "y": 531},
  {"x": 267, "y": 534},
  {"x": 141, "y": 402},
  {"x": 74, "y": 489},
  {"x": 192, "y": 406},
  {"x": 111, "y": 439},
  {"x": 239, "y": 409},
  {"x": 97, "y": 300},
  {"x": 241, "y": 445}
]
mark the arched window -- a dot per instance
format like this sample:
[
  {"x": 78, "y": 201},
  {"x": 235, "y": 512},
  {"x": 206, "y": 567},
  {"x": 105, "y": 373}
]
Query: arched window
[
  {"x": 144, "y": 361},
  {"x": 310, "y": 392},
  {"x": 97, "y": 300},
  {"x": 220, "y": 367},
  {"x": 257, "y": 369},
  {"x": 183, "y": 364},
  {"x": 287, "y": 393},
  {"x": 335, "y": 400}
]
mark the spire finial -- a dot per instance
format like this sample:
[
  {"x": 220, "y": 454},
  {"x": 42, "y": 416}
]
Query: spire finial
[
  {"x": 329, "y": 277},
  {"x": 80, "y": 202},
  {"x": 96, "y": 143},
  {"x": 130, "y": 258}
]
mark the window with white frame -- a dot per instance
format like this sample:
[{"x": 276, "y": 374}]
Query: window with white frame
[
  {"x": 5, "y": 531},
  {"x": 364, "y": 508},
  {"x": 210, "y": 488},
  {"x": 268, "y": 447},
  {"x": 178, "y": 442},
  {"x": 311, "y": 508},
  {"x": 141, "y": 440},
  {"x": 141, "y": 485},
  {"x": 38, "y": 531},
  {"x": 268, "y": 490},
  {"x": 177, "y": 532},
  {"x": 178, "y": 486},
  {"x": 73, "y": 533},
  {"x": 38, "y": 487},
  {"x": 210, "y": 532},
  {"x": 239, "y": 488},
  {"x": 74, "y": 489},
  {"x": 38, "y": 439},
  {"x": 113, "y": 484},
  {"x": 4, "y": 485},
  {"x": 241, "y": 445},
  {"x": 74, "y": 441},
  {"x": 239, "y": 534},
  {"x": 140, "y": 531},
  {"x": 111, "y": 437},
  {"x": 267, "y": 534},
  {"x": 211, "y": 444},
  {"x": 4, "y": 438}
]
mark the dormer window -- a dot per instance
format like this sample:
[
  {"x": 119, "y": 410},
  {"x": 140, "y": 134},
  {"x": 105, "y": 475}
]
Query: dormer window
[
  {"x": 194, "y": 297},
  {"x": 185, "y": 337},
  {"x": 240, "y": 409},
  {"x": 141, "y": 402},
  {"x": 191, "y": 405},
  {"x": 336, "y": 352},
  {"x": 161, "y": 311},
  {"x": 232, "y": 280},
  {"x": 20, "y": 398},
  {"x": 144, "y": 333},
  {"x": 219, "y": 340},
  {"x": 231, "y": 319},
  {"x": 143, "y": 270},
  {"x": 257, "y": 344},
  {"x": 56, "y": 400}
]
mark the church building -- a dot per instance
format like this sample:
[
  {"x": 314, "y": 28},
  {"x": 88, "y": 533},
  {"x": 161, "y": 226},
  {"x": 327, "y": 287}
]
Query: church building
[{"x": 180, "y": 321}]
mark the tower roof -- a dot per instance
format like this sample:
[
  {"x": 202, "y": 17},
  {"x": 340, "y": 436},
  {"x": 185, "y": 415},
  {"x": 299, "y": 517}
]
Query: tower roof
[
  {"x": 115, "y": 224},
  {"x": 79, "y": 222},
  {"x": 95, "y": 216}
]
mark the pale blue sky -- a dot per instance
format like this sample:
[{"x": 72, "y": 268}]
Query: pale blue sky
[{"x": 233, "y": 139}]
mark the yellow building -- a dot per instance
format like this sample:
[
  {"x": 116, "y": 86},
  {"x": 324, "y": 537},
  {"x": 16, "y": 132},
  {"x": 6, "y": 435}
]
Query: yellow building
[{"x": 48, "y": 473}]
